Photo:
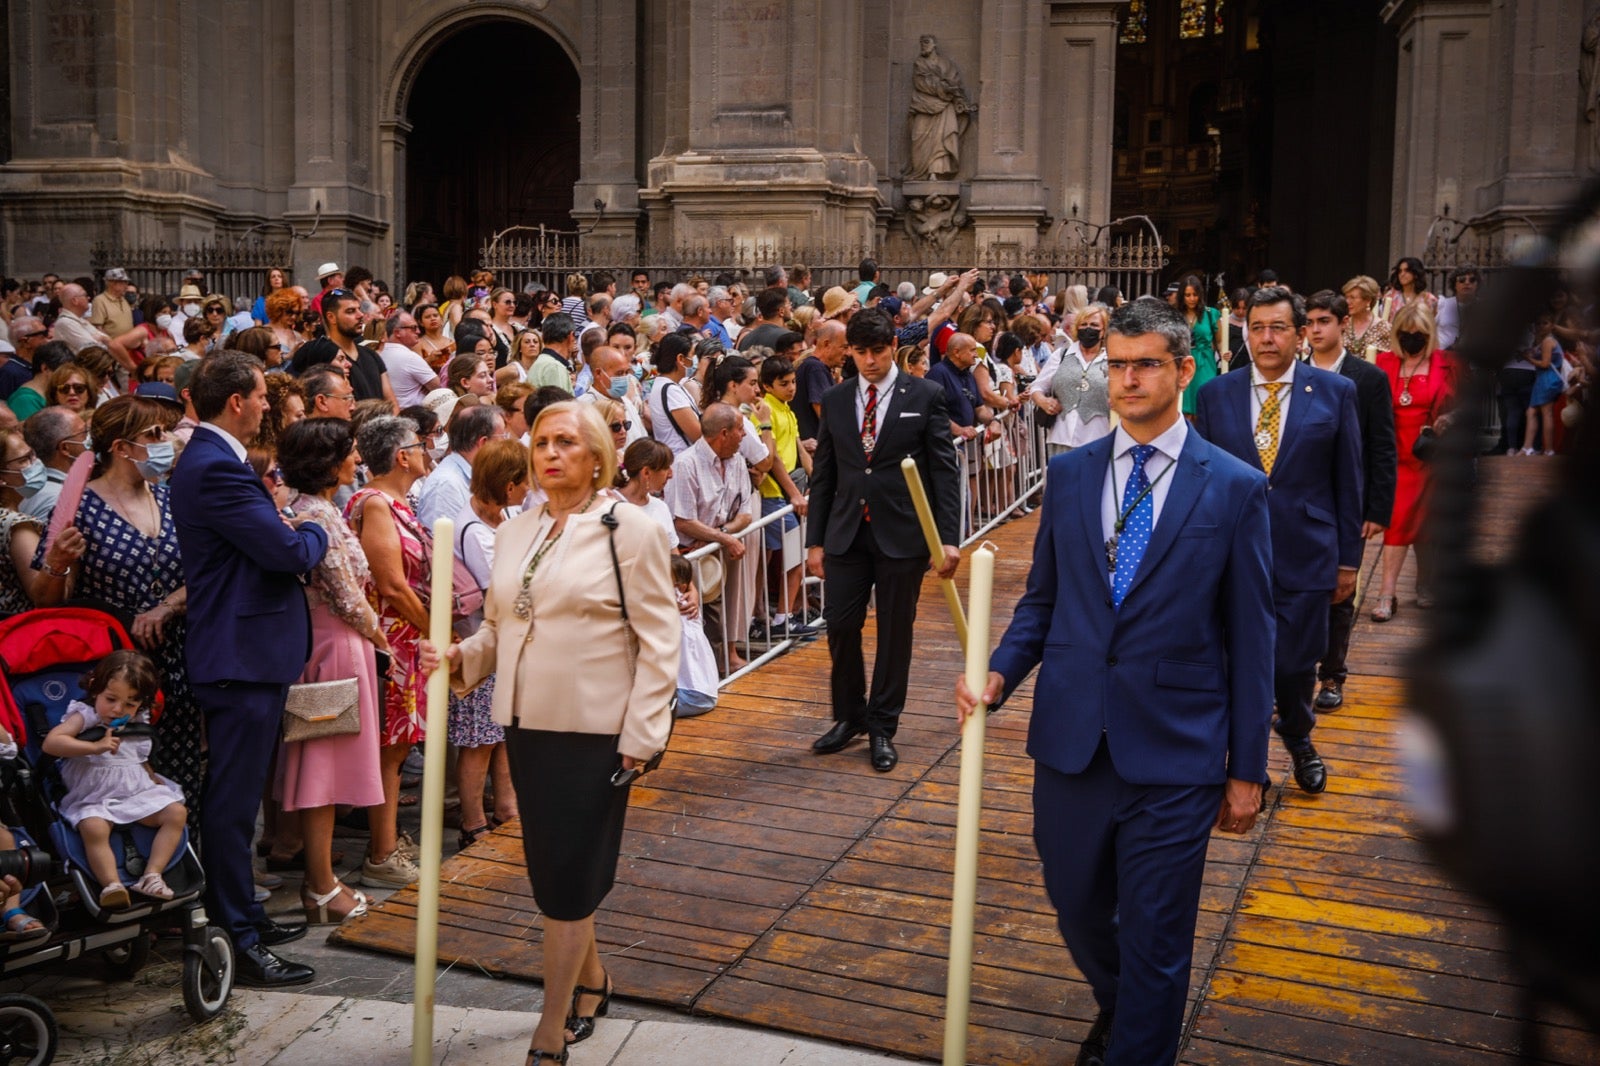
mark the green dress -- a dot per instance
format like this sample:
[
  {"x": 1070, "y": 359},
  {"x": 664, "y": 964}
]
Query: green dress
[{"x": 1201, "y": 346}]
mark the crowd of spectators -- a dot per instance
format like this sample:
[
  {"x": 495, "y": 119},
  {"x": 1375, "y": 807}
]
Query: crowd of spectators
[{"x": 382, "y": 416}]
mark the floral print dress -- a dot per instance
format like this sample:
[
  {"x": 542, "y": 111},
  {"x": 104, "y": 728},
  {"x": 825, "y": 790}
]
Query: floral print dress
[
  {"x": 405, "y": 693},
  {"x": 133, "y": 573}
]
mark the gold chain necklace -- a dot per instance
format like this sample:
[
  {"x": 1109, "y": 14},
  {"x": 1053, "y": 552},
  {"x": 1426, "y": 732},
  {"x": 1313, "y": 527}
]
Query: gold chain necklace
[{"x": 522, "y": 606}]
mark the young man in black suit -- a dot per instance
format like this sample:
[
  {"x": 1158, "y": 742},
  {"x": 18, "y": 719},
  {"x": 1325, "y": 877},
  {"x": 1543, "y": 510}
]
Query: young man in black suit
[
  {"x": 1326, "y": 316},
  {"x": 863, "y": 533}
]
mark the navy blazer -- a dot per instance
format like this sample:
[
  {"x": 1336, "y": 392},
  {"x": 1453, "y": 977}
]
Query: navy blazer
[
  {"x": 248, "y": 619},
  {"x": 1314, "y": 490},
  {"x": 1179, "y": 678},
  {"x": 844, "y": 479}
]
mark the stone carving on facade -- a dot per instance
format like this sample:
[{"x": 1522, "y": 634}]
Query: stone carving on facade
[
  {"x": 1589, "y": 75},
  {"x": 940, "y": 108},
  {"x": 934, "y": 220}
]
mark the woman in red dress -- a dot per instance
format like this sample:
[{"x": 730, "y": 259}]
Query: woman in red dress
[{"x": 1422, "y": 385}]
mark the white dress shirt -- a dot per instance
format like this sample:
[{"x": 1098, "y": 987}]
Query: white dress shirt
[
  {"x": 1258, "y": 393},
  {"x": 1071, "y": 430},
  {"x": 1169, "y": 445},
  {"x": 885, "y": 388}
]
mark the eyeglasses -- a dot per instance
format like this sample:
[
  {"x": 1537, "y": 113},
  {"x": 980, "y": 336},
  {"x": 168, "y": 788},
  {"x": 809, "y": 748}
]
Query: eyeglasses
[
  {"x": 16, "y": 466},
  {"x": 1140, "y": 367},
  {"x": 73, "y": 387},
  {"x": 1261, "y": 329},
  {"x": 30, "y": 336},
  {"x": 622, "y": 427},
  {"x": 275, "y": 475},
  {"x": 348, "y": 397},
  {"x": 413, "y": 444}
]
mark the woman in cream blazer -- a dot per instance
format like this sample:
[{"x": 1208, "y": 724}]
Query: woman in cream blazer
[{"x": 582, "y": 697}]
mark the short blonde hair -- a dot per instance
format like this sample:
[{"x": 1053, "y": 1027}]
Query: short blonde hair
[
  {"x": 596, "y": 436},
  {"x": 1091, "y": 311},
  {"x": 1415, "y": 318},
  {"x": 1366, "y": 286}
]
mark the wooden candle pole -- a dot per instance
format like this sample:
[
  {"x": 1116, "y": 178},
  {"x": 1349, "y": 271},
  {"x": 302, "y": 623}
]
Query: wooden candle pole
[
  {"x": 919, "y": 498},
  {"x": 969, "y": 812},
  {"x": 432, "y": 845}
]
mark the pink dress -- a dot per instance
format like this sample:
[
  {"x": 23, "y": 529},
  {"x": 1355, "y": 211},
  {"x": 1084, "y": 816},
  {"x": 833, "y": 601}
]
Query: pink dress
[
  {"x": 342, "y": 769},
  {"x": 405, "y": 700}
]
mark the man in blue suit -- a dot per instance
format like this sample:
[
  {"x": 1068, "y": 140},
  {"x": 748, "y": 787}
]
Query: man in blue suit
[
  {"x": 1300, "y": 426},
  {"x": 1149, "y": 613},
  {"x": 249, "y": 638}
]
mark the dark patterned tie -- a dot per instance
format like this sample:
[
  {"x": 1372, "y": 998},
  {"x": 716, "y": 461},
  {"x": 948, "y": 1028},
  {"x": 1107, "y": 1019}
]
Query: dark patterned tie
[{"x": 869, "y": 421}]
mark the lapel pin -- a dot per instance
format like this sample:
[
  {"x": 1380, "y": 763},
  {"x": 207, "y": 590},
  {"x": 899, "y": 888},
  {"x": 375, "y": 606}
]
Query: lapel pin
[{"x": 1308, "y": 388}]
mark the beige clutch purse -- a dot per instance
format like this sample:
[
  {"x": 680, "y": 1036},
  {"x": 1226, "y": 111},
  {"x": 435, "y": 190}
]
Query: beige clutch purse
[{"x": 322, "y": 709}]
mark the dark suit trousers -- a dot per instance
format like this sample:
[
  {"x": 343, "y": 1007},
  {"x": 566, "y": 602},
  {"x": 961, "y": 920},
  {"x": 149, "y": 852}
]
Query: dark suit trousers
[
  {"x": 1302, "y": 640},
  {"x": 1123, "y": 865},
  {"x": 851, "y": 579},
  {"x": 1341, "y": 620},
  {"x": 243, "y": 723}
]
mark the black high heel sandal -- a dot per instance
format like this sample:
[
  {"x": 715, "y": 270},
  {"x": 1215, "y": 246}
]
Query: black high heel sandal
[
  {"x": 536, "y": 1056},
  {"x": 581, "y": 1026},
  {"x": 469, "y": 837}
]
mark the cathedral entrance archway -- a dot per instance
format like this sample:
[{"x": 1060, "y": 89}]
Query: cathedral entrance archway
[{"x": 493, "y": 143}]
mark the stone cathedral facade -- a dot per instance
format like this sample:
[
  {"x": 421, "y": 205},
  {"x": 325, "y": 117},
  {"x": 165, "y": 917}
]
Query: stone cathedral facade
[{"x": 402, "y": 134}]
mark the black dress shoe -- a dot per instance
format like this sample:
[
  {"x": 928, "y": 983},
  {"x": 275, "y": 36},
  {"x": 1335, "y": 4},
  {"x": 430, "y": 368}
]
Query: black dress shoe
[
  {"x": 1092, "y": 1052},
  {"x": 1309, "y": 771},
  {"x": 272, "y": 934},
  {"x": 883, "y": 754},
  {"x": 836, "y": 738},
  {"x": 1331, "y": 698},
  {"x": 257, "y": 967}
]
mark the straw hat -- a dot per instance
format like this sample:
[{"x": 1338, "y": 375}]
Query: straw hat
[
  {"x": 936, "y": 281},
  {"x": 836, "y": 301},
  {"x": 441, "y": 402}
]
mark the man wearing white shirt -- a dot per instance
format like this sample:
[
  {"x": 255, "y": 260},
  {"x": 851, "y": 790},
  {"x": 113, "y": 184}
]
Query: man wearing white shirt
[
  {"x": 446, "y": 491},
  {"x": 409, "y": 373},
  {"x": 609, "y": 369}
]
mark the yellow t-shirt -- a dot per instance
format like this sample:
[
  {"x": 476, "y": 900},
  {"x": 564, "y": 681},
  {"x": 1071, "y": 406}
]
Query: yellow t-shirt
[{"x": 786, "y": 439}]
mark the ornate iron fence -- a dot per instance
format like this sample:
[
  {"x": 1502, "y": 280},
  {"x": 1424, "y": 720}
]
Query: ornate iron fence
[
  {"x": 1132, "y": 263},
  {"x": 239, "y": 273}
]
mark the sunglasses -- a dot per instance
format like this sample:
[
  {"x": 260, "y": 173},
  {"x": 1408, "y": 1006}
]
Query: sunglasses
[
  {"x": 622, "y": 427},
  {"x": 275, "y": 475},
  {"x": 72, "y": 387}
]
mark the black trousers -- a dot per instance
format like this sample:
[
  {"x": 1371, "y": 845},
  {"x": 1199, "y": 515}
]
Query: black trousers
[
  {"x": 1516, "y": 389},
  {"x": 851, "y": 580},
  {"x": 1341, "y": 620}
]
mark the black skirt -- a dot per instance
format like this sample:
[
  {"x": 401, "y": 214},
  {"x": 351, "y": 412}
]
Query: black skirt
[{"x": 572, "y": 817}]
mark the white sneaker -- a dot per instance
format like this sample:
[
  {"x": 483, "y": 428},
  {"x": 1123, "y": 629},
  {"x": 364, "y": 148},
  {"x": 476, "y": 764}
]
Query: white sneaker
[
  {"x": 396, "y": 871},
  {"x": 1529, "y": 451}
]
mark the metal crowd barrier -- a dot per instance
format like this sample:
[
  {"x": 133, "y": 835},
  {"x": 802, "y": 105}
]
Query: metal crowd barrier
[
  {"x": 738, "y": 622},
  {"x": 1000, "y": 478}
]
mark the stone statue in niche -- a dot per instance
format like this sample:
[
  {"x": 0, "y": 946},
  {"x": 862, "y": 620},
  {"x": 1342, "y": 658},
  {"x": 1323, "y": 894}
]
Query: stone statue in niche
[
  {"x": 1589, "y": 75},
  {"x": 934, "y": 220},
  {"x": 939, "y": 113}
]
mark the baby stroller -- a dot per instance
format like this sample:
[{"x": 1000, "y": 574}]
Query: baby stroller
[{"x": 43, "y": 655}]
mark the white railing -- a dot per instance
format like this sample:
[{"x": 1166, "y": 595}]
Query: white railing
[
  {"x": 998, "y": 480},
  {"x": 744, "y": 604}
]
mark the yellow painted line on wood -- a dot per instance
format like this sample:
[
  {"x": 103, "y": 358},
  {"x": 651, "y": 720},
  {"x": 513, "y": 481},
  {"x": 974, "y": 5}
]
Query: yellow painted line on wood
[{"x": 1299, "y": 908}]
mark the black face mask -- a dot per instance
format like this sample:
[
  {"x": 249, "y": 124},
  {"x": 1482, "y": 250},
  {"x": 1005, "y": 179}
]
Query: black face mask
[
  {"x": 1088, "y": 337},
  {"x": 1411, "y": 343}
]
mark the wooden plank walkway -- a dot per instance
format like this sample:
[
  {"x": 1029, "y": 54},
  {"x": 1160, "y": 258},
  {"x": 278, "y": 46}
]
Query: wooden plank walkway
[{"x": 763, "y": 884}]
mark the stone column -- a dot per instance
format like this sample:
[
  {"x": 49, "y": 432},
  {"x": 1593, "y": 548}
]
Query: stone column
[
  {"x": 773, "y": 102},
  {"x": 1443, "y": 111},
  {"x": 1080, "y": 59},
  {"x": 605, "y": 201},
  {"x": 389, "y": 252},
  {"x": 335, "y": 137},
  {"x": 1007, "y": 202},
  {"x": 1536, "y": 45}
]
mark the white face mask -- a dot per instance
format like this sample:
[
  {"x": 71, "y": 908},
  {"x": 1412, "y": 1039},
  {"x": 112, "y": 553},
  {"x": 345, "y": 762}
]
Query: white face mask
[
  {"x": 191, "y": 309},
  {"x": 163, "y": 320}
]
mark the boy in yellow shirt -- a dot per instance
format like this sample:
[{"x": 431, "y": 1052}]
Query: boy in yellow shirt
[{"x": 782, "y": 486}]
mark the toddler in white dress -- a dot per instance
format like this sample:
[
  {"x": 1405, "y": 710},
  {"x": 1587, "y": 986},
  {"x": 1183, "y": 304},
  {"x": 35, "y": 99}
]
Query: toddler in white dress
[{"x": 109, "y": 781}]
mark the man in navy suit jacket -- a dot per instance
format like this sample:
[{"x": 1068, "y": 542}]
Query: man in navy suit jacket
[
  {"x": 1314, "y": 480},
  {"x": 249, "y": 638},
  {"x": 1150, "y": 715}
]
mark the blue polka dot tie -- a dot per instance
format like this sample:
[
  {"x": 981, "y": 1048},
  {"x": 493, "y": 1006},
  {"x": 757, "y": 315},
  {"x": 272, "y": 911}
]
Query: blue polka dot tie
[{"x": 1135, "y": 535}]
